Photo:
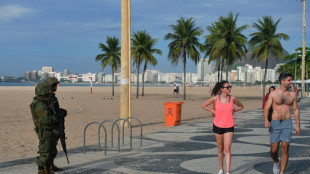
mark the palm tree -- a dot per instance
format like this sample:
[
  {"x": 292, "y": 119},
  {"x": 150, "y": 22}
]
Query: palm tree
[
  {"x": 184, "y": 43},
  {"x": 210, "y": 41},
  {"x": 142, "y": 44},
  {"x": 150, "y": 58},
  {"x": 235, "y": 41},
  {"x": 290, "y": 60},
  {"x": 111, "y": 56},
  {"x": 226, "y": 40},
  {"x": 266, "y": 41}
]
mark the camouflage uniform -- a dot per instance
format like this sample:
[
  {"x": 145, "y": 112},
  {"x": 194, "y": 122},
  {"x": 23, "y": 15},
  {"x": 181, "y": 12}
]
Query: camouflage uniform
[
  {"x": 45, "y": 127},
  {"x": 61, "y": 113}
]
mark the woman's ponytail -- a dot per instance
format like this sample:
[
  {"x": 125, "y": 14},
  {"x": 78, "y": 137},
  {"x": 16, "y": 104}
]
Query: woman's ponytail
[{"x": 217, "y": 88}]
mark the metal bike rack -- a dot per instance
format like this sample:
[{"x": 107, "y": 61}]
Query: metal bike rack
[
  {"x": 105, "y": 131},
  {"x": 122, "y": 129},
  {"x": 127, "y": 120},
  {"x": 105, "y": 142},
  {"x": 118, "y": 133}
]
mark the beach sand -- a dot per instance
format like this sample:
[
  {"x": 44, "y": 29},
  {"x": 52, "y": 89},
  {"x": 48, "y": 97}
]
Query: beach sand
[{"x": 18, "y": 139}]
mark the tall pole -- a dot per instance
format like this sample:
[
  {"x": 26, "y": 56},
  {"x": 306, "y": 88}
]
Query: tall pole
[
  {"x": 125, "y": 58},
  {"x": 129, "y": 58},
  {"x": 295, "y": 78},
  {"x": 303, "y": 52}
]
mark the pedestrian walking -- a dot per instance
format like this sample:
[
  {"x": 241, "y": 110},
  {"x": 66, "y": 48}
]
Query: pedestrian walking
[
  {"x": 281, "y": 100},
  {"x": 175, "y": 89},
  {"x": 272, "y": 88},
  {"x": 223, "y": 123}
]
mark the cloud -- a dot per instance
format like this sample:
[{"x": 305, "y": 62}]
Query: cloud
[{"x": 10, "y": 12}]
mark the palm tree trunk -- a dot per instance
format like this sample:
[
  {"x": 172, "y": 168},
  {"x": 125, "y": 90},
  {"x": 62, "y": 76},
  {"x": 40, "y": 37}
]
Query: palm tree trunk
[
  {"x": 144, "y": 69},
  {"x": 222, "y": 67},
  {"x": 184, "y": 85},
  {"x": 218, "y": 72},
  {"x": 227, "y": 66},
  {"x": 264, "y": 80},
  {"x": 113, "y": 83}
]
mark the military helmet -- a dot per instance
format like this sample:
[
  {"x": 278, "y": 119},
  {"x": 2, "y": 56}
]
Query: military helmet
[
  {"x": 41, "y": 89},
  {"x": 50, "y": 81}
]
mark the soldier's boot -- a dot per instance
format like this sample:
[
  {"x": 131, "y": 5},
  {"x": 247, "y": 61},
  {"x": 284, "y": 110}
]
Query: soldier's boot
[
  {"x": 47, "y": 170},
  {"x": 55, "y": 169},
  {"x": 40, "y": 171}
]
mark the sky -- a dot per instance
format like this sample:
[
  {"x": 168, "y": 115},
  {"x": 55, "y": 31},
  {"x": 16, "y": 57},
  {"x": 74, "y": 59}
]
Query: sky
[{"x": 65, "y": 34}]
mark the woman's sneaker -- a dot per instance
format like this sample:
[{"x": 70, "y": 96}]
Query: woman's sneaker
[
  {"x": 276, "y": 168},
  {"x": 221, "y": 172}
]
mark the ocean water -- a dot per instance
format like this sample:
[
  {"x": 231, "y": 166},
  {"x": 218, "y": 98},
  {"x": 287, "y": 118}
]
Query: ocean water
[
  {"x": 17, "y": 84},
  {"x": 74, "y": 84},
  {"x": 61, "y": 84}
]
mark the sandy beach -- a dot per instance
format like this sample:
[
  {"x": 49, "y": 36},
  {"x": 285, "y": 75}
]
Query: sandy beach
[{"x": 18, "y": 139}]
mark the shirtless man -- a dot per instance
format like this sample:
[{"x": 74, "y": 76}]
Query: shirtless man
[{"x": 280, "y": 126}]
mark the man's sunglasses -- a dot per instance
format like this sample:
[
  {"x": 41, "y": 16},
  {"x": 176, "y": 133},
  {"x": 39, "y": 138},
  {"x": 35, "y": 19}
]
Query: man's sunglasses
[{"x": 228, "y": 87}]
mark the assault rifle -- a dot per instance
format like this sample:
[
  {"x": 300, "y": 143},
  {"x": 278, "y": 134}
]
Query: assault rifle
[{"x": 60, "y": 115}]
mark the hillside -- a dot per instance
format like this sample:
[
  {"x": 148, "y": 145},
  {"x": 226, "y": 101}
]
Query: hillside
[{"x": 254, "y": 62}]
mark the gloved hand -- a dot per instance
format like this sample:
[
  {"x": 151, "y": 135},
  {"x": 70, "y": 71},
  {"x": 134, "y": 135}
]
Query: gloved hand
[{"x": 63, "y": 112}]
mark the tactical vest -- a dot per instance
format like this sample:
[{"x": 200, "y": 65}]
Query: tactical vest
[{"x": 34, "y": 115}]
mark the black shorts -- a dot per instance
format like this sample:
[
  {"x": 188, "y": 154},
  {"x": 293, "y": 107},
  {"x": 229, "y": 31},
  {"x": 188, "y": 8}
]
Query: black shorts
[{"x": 219, "y": 130}]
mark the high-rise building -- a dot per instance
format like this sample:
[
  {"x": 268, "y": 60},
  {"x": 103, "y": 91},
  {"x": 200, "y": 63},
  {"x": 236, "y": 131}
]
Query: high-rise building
[
  {"x": 100, "y": 77},
  {"x": 251, "y": 77},
  {"x": 73, "y": 78},
  {"x": 60, "y": 76},
  {"x": 66, "y": 72},
  {"x": 27, "y": 75},
  {"x": 258, "y": 73},
  {"x": 148, "y": 76},
  {"x": 270, "y": 75},
  {"x": 203, "y": 68},
  {"x": 44, "y": 75},
  {"x": 191, "y": 78},
  {"x": 47, "y": 69},
  {"x": 89, "y": 77},
  {"x": 34, "y": 75},
  {"x": 155, "y": 76},
  {"x": 233, "y": 76},
  {"x": 242, "y": 72}
]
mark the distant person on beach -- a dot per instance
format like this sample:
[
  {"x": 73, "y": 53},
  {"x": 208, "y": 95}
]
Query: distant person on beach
[
  {"x": 281, "y": 100},
  {"x": 223, "y": 123},
  {"x": 272, "y": 88},
  {"x": 45, "y": 127},
  {"x": 175, "y": 89}
]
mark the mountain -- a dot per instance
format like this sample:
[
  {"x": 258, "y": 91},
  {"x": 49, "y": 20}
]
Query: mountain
[{"x": 272, "y": 61}]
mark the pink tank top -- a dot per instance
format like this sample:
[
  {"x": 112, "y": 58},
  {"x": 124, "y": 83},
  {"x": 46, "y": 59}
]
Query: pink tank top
[{"x": 224, "y": 114}]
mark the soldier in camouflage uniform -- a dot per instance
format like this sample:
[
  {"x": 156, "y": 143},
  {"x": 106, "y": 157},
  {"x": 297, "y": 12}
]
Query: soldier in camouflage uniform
[
  {"x": 45, "y": 127},
  {"x": 60, "y": 113}
]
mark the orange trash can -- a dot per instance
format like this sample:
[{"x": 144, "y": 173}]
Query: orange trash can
[{"x": 173, "y": 113}]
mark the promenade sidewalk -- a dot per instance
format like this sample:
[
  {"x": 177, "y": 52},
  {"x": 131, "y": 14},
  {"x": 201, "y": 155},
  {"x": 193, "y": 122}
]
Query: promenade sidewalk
[{"x": 188, "y": 148}]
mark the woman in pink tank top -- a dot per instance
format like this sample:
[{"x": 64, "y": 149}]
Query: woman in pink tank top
[{"x": 223, "y": 123}]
